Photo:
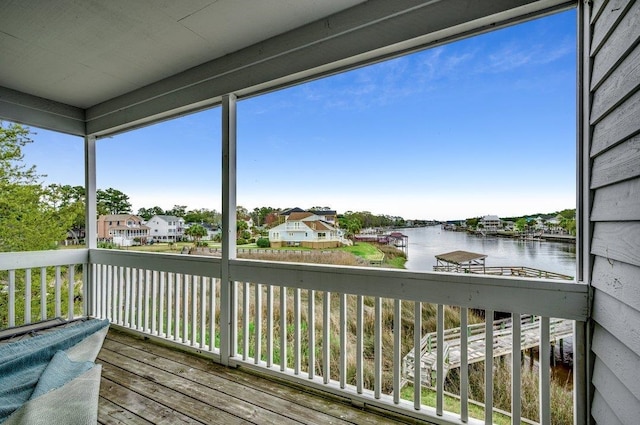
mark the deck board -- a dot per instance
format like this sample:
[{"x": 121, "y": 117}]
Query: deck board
[{"x": 148, "y": 383}]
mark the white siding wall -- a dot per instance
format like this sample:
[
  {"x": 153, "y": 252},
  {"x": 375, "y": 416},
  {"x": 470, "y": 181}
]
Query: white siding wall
[{"x": 615, "y": 214}]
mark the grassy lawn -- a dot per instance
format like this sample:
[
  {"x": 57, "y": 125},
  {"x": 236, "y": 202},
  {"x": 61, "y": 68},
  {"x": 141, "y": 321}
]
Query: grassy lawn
[
  {"x": 364, "y": 250},
  {"x": 452, "y": 404}
]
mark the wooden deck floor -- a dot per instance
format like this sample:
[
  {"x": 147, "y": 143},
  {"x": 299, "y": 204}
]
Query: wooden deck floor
[{"x": 144, "y": 383}]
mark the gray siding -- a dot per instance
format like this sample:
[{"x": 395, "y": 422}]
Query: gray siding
[{"x": 615, "y": 214}]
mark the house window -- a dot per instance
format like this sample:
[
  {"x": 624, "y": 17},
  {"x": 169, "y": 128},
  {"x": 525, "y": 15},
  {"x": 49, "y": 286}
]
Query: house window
[{"x": 322, "y": 235}]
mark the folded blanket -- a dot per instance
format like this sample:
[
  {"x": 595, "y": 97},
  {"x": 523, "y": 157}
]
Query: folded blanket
[{"x": 23, "y": 362}]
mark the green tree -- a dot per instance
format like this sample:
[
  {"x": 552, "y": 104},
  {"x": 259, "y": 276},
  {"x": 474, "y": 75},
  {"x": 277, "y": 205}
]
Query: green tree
[
  {"x": 521, "y": 224},
  {"x": 177, "y": 210},
  {"x": 350, "y": 221},
  {"x": 28, "y": 220},
  {"x": 147, "y": 213},
  {"x": 69, "y": 202},
  {"x": 260, "y": 214},
  {"x": 197, "y": 232},
  {"x": 242, "y": 213},
  {"x": 203, "y": 215},
  {"x": 112, "y": 201}
]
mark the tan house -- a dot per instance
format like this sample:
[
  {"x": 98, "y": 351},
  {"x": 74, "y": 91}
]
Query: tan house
[{"x": 123, "y": 227}]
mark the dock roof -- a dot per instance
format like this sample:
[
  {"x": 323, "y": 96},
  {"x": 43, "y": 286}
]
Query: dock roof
[{"x": 460, "y": 257}]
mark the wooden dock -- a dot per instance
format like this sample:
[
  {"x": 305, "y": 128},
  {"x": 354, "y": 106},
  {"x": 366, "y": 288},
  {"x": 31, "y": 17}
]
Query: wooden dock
[{"x": 502, "y": 336}]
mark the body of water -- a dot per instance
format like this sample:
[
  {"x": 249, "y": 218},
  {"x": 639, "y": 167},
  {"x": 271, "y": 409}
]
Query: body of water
[{"x": 427, "y": 242}]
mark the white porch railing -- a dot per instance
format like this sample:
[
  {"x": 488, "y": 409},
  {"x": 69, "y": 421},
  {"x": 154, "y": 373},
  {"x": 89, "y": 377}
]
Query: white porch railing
[{"x": 335, "y": 334}]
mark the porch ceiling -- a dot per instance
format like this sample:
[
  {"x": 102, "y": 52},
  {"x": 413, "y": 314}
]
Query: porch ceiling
[{"x": 96, "y": 67}]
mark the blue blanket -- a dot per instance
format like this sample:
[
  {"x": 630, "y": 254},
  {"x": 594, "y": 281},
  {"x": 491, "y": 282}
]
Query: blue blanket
[{"x": 23, "y": 362}]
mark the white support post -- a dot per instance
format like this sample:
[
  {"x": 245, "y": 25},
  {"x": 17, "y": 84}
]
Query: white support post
[
  {"x": 90, "y": 225},
  {"x": 228, "y": 308}
]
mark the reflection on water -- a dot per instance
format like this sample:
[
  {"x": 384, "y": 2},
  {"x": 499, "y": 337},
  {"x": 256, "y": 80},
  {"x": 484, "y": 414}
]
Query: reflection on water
[{"x": 427, "y": 242}]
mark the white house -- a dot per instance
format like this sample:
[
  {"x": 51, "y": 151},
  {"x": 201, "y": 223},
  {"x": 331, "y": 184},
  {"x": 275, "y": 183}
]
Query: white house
[
  {"x": 307, "y": 230},
  {"x": 166, "y": 228},
  {"x": 490, "y": 223}
]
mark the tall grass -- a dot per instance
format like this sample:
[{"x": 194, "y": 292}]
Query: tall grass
[
  {"x": 561, "y": 391},
  {"x": 50, "y": 294}
]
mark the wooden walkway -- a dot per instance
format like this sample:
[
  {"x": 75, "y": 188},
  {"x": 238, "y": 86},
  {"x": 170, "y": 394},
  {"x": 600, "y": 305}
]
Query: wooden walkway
[
  {"x": 502, "y": 336},
  {"x": 144, "y": 383}
]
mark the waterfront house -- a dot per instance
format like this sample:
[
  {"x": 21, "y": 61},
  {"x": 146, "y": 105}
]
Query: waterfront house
[
  {"x": 490, "y": 223},
  {"x": 122, "y": 229},
  {"x": 166, "y": 228},
  {"x": 90, "y": 71},
  {"x": 307, "y": 230}
]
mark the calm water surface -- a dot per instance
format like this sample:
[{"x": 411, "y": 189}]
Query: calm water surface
[{"x": 427, "y": 242}]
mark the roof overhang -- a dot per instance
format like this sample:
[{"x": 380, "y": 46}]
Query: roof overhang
[{"x": 252, "y": 52}]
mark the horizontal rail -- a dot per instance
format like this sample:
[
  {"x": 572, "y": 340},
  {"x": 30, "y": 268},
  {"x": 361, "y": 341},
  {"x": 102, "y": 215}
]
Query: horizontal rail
[
  {"x": 33, "y": 259},
  {"x": 175, "y": 263},
  {"x": 549, "y": 298}
]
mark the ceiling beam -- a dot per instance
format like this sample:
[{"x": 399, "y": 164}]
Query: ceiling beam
[
  {"x": 371, "y": 31},
  {"x": 24, "y": 108}
]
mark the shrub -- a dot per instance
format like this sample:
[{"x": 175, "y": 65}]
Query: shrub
[
  {"x": 241, "y": 241},
  {"x": 263, "y": 243}
]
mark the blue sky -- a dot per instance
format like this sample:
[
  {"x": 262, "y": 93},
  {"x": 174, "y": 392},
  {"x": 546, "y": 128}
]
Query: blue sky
[{"x": 482, "y": 126}]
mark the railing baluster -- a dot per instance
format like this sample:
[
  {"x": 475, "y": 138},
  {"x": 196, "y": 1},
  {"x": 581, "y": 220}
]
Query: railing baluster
[
  {"x": 312, "y": 331},
  {"x": 397, "y": 349},
  {"x": 245, "y": 321},
  {"x": 343, "y": 340},
  {"x": 70, "y": 292},
  {"x": 87, "y": 293},
  {"x": 359, "y": 344},
  {"x": 12, "y": 298},
  {"x": 212, "y": 314},
  {"x": 269, "y": 325},
  {"x": 146, "y": 303},
  {"x": 194, "y": 307},
  {"x": 257, "y": 355},
  {"x": 127, "y": 297},
  {"x": 488, "y": 367},
  {"x": 377, "y": 348},
  {"x": 177, "y": 292},
  {"x": 122, "y": 290},
  {"x": 43, "y": 294},
  {"x": 296, "y": 337},
  {"x": 27, "y": 296},
  {"x": 417, "y": 360},
  {"x": 169, "y": 315},
  {"x": 113, "y": 298},
  {"x": 203, "y": 311},
  {"x": 139, "y": 286},
  {"x": 104, "y": 289},
  {"x": 283, "y": 328},
  {"x": 516, "y": 364},
  {"x": 326, "y": 335},
  {"x": 154, "y": 302},
  {"x": 544, "y": 375},
  {"x": 440, "y": 364},
  {"x": 161, "y": 302},
  {"x": 464, "y": 364},
  {"x": 185, "y": 307},
  {"x": 57, "y": 293}
]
